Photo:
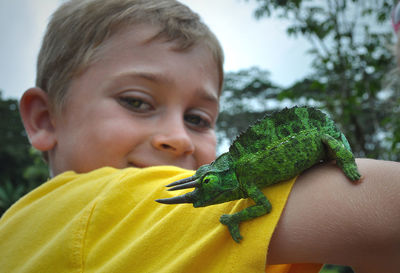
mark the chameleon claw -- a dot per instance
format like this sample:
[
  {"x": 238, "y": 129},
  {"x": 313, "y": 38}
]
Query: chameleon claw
[
  {"x": 352, "y": 173},
  {"x": 233, "y": 227},
  {"x": 359, "y": 180}
]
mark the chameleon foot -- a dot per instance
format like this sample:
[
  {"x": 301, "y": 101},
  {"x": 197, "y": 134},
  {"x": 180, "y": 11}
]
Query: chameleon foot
[
  {"x": 352, "y": 173},
  {"x": 233, "y": 227}
]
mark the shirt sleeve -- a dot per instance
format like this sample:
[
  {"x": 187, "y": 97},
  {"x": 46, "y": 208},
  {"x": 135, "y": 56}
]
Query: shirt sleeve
[{"x": 128, "y": 229}]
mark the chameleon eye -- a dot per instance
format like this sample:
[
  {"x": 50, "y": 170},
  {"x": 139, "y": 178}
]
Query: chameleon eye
[{"x": 210, "y": 178}]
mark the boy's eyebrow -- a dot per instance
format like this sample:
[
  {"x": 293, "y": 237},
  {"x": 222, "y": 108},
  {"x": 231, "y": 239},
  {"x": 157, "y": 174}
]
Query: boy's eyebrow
[
  {"x": 158, "y": 78},
  {"x": 208, "y": 96},
  {"x": 150, "y": 76}
]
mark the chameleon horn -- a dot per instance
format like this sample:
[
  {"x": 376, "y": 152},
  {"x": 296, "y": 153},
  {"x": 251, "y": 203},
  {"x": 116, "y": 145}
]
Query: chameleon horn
[
  {"x": 186, "y": 198},
  {"x": 182, "y": 181},
  {"x": 191, "y": 184}
]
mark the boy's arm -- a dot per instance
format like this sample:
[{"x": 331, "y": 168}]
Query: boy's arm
[{"x": 329, "y": 220}]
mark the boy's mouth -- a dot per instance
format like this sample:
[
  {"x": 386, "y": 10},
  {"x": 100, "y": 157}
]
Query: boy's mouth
[
  {"x": 185, "y": 165},
  {"x": 141, "y": 165},
  {"x": 134, "y": 165}
]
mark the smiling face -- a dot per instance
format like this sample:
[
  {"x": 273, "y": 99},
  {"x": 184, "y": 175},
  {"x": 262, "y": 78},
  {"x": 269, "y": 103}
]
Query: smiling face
[{"x": 140, "y": 104}]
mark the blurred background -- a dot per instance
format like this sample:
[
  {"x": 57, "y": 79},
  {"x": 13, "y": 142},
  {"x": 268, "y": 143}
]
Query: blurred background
[{"x": 337, "y": 55}]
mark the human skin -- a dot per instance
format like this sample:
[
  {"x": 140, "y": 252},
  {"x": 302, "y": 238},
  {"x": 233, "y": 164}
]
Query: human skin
[
  {"x": 140, "y": 104},
  {"x": 329, "y": 220}
]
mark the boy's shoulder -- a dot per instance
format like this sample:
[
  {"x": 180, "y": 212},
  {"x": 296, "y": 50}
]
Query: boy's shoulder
[{"x": 73, "y": 189}]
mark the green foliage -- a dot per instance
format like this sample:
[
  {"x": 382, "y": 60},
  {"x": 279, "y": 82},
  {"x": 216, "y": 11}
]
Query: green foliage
[
  {"x": 9, "y": 193},
  {"x": 21, "y": 167},
  {"x": 248, "y": 95},
  {"x": 14, "y": 142},
  {"x": 350, "y": 48}
]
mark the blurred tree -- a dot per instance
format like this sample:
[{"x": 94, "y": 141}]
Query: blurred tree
[
  {"x": 21, "y": 167},
  {"x": 352, "y": 63},
  {"x": 350, "y": 46},
  {"x": 15, "y": 145},
  {"x": 244, "y": 99}
]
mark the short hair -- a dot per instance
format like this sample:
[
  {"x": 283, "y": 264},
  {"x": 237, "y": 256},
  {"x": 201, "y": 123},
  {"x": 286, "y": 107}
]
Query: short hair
[{"x": 78, "y": 28}]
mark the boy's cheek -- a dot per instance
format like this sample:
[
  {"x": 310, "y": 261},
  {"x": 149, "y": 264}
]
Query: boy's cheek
[{"x": 206, "y": 152}]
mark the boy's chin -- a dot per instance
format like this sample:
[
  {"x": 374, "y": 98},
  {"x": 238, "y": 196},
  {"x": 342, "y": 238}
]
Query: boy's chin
[{"x": 183, "y": 165}]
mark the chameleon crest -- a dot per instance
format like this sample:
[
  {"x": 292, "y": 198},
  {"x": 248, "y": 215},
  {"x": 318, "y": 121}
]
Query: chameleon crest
[{"x": 274, "y": 149}]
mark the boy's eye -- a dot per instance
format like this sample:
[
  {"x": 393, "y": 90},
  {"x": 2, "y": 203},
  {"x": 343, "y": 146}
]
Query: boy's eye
[
  {"x": 135, "y": 104},
  {"x": 197, "y": 121}
]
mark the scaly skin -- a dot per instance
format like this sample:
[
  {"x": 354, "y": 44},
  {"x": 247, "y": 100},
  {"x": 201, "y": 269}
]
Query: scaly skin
[{"x": 274, "y": 149}]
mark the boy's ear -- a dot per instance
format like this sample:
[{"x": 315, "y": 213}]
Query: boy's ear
[{"x": 35, "y": 111}]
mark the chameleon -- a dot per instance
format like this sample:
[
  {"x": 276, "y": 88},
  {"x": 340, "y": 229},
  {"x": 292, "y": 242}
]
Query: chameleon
[{"x": 275, "y": 148}]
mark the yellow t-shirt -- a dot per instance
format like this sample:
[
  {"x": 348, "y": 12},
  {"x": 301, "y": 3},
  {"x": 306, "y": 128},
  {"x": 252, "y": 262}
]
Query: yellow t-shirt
[{"x": 107, "y": 221}]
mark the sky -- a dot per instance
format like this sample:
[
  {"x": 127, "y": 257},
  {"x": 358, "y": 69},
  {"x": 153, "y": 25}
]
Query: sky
[{"x": 246, "y": 42}]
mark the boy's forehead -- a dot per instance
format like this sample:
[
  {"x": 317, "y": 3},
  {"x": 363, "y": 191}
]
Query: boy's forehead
[
  {"x": 139, "y": 39},
  {"x": 144, "y": 36},
  {"x": 140, "y": 34}
]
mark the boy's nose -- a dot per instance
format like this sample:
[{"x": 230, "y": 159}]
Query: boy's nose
[{"x": 174, "y": 139}]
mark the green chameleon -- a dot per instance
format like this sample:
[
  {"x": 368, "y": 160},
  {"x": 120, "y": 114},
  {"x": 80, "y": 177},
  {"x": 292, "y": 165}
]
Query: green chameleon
[{"x": 275, "y": 148}]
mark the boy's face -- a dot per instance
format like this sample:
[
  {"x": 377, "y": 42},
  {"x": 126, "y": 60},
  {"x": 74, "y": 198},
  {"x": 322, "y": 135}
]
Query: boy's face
[{"x": 140, "y": 104}]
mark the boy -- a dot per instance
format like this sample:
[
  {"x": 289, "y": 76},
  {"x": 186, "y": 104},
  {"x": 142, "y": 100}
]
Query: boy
[{"x": 124, "y": 85}]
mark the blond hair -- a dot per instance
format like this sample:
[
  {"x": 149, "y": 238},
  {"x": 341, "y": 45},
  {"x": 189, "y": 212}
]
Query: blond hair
[{"x": 79, "y": 27}]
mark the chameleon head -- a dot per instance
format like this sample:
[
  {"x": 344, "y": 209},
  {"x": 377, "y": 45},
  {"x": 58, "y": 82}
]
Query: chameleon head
[
  {"x": 216, "y": 188},
  {"x": 214, "y": 183},
  {"x": 210, "y": 188}
]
